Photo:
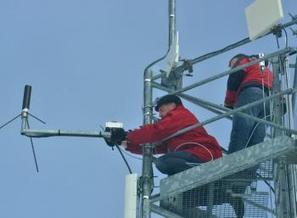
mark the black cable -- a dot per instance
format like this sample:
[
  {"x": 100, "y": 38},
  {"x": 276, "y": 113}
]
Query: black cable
[
  {"x": 214, "y": 53},
  {"x": 127, "y": 164},
  {"x": 8, "y": 122},
  {"x": 33, "y": 151},
  {"x": 130, "y": 155},
  {"x": 266, "y": 182},
  {"x": 286, "y": 37}
]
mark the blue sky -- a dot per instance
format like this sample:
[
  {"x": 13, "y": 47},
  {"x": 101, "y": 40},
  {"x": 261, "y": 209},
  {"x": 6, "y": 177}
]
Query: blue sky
[{"x": 85, "y": 62}]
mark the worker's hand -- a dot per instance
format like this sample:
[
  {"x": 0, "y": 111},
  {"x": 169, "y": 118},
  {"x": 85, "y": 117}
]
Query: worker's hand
[{"x": 117, "y": 135}]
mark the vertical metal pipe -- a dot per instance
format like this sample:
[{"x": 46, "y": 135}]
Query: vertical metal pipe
[
  {"x": 26, "y": 106},
  {"x": 294, "y": 96},
  {"x": 280, "y": 167},
  {"x": 172, "y": 21},
  {"x": 292, "y": 185},
  {"x": 147, "y": 170},
  {"x": 292, "y": 172}
]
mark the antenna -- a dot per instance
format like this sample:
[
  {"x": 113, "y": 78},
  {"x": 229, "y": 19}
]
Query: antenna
[
  {"x": 39, "y": 133},
  {"x": 262, "y": 15}
]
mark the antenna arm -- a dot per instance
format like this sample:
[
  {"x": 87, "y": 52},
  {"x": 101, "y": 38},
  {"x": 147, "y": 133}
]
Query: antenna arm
[{"x": 58, "y": 132}]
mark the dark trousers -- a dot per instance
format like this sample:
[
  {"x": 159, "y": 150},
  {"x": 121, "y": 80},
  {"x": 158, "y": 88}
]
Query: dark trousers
[{"x": 245, "y": 131}]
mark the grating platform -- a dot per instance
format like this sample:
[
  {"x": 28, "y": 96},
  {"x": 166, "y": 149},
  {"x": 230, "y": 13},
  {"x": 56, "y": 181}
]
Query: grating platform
[
  {"x": 226, "y": 187},
  {"x": 225, "y": 198}
]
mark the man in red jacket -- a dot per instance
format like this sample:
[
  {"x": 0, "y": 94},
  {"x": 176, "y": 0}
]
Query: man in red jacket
[
  {"x": 246, "y": 86},
  {"x": 180, "y": 152}
]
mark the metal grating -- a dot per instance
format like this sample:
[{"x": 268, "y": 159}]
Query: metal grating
[
  {"x": 233, "y": 196},
  {"x": 265, "y": 170}
]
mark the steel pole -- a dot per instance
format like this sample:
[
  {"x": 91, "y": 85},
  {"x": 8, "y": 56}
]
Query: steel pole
[
  {"x": 280, "y": 166},
  {"x": 294, "y": 96},
  {"x": 147, "y": 170},
  {"x": 292, "y": 171},
  {"x": 172, "y": 21}
]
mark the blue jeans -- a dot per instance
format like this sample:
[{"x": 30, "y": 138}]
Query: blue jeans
[
  {"x": 245, "y": 131},
  {"x": 175, "y": 162}
]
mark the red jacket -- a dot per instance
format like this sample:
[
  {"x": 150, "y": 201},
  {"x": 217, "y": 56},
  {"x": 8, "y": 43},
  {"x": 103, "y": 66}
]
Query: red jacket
[
  {"x": 250, "y": 76},
  {"x": 195, "y": 141}
]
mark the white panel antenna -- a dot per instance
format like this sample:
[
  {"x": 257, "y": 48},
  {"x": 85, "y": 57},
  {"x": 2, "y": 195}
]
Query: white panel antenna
[
  {"x": 172, "y": 56},
  {"x": 262, "y": 15}
]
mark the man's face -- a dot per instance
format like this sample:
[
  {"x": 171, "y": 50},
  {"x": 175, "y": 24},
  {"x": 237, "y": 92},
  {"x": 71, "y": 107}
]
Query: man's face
[{"x": 165, "y": 108}]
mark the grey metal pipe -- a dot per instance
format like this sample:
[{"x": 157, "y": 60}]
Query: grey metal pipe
[
  {"x": 49, "y": 133},
  {"x": 147, "y": 170},
  {"x": 234, "y": 70},
  {"x": 163, "y": 212},
  {"x": 294, "y": 96},
  {"x": 238, "y": 44},
  {"x": 223, "y": 50},
  {"x": 206, "y": 104},
  {"x": 280, "y": 167},
  {"x": 172, "y": 21},
  {"x": 288, "y": 91}
]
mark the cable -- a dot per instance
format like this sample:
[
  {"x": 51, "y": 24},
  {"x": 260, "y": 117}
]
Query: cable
[
  {"x": 253, "y": 131},
  {"x": 195, "y": 143},
  {"x": 266, "y": 182},
  {"x": 33, "y": 150},
  {"x": 8, "y": 122},
  {"x": 122, "y": 155},
  {"x": 211, "y": 54},
  {"x": 130, "y": 155}
]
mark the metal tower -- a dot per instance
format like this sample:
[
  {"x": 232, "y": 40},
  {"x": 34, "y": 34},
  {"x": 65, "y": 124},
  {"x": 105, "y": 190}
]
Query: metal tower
[{"x": 269, "y": 167}]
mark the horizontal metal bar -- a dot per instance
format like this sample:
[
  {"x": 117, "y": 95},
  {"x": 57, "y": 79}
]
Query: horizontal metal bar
[
  {"x": 248, "y": 201},
  {"x": 287, "y": 91},
  {"x": 58, "y": 132},
  {"x": 158, "y": 76},
  {"x": 155, "y": 198},
  {"x": 234, "y": 70},
  {"x": 192, "y": 99},
  {"x": 163, "y": 212},
  {"x": 237, "y": 44},
  {"x": 227, "y": 165},
  {"x": 225, "y": 49},
  {"x": 204, "y": 104}
]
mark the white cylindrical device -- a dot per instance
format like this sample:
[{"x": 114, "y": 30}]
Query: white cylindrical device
[{"x": 131, "y": 196}]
